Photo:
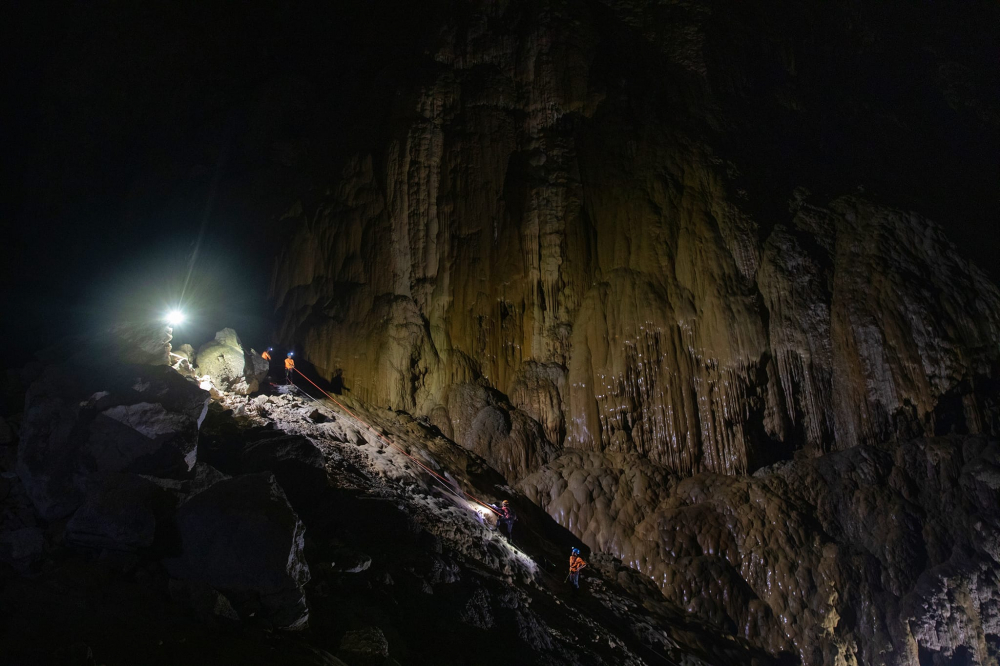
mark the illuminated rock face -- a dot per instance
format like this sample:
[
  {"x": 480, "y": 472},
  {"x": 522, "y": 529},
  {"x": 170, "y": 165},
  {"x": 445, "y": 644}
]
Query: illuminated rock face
[
  {"x": 550, "y": 260},
  {"x": 861, "y": 556},
  {"x": 537, "y": 229}
]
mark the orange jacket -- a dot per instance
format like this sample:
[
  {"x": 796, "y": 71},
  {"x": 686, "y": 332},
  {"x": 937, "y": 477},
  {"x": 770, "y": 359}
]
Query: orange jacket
[
  {"x": 576, "y": 563},
  {"x": 265, "y": 356},
  {"x": 289, "y": 364}
]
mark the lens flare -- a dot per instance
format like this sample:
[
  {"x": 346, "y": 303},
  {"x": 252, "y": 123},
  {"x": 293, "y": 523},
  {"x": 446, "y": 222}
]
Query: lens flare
[{"x": 175, "y": 318}]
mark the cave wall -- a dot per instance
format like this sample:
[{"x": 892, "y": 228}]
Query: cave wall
[
  {"x": 630, "y": 252},
  {"x": 549, "y": 217},
  {"x": 866, "y": 556}
]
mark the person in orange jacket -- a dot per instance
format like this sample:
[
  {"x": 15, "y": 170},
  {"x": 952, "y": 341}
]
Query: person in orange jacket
[
  {"x": 289, "y": 368},
  {"x": 507, "y": 517},
  {"x": 267, "y": 354},
  {"x": 576, "y": 563}
]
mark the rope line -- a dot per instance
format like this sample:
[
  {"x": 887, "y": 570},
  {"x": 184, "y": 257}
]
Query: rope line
[{"x": 396, "y": 446}]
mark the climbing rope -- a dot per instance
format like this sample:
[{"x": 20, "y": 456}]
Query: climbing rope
[{"x": 447, "y": 484}]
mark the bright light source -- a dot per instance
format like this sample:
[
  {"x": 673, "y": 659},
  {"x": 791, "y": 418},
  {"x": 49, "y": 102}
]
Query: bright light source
[{"x": 175, "y": 318}]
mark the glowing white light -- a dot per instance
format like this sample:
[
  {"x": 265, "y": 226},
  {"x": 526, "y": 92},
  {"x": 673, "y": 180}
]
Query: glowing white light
[{"x": 175, "y": 318}]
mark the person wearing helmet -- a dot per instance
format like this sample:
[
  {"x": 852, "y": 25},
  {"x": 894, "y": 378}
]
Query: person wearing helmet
[
  {"x": 267, "y": 354},
  {"x": 576, "y": 563},
  {"x": 289, "y": 368},
  {"x": 507, "y": 518}
]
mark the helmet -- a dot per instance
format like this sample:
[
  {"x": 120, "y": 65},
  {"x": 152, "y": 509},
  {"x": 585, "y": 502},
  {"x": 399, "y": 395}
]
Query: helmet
[
  {"x": 575, "y": 551},
  {"x": 505, "y": 502},
  {"x": 290, "y": 354},
  {"x": 270, "y": 349}
]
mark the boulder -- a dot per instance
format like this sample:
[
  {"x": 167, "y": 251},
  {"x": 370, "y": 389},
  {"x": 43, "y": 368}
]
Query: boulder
[
  {"x": 364, "y": 647},
  {"x": 298, "y": 464},
  {"x": 144, "y": 343},
  {"x": 241, "y": 537},
  {"x": 118, "y": 514},
  {"x": 230, "y": 367},
  {"x": 184, "y": 367},
  {"x": 259, "y": 365},
  {"x": 201, "y": 478},
  {"x": 317, "y": 416},
  {"x": 144, "y": 438},
  {"x": 81, "y": 423},
  {"x": 186, "y": 352},
  {"x": 349, "y": 560}
]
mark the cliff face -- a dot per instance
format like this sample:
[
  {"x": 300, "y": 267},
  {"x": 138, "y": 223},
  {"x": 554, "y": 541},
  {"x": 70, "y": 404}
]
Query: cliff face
[
  {"x": 610, "y": 247},
  {"x": 550, "y": 220}
]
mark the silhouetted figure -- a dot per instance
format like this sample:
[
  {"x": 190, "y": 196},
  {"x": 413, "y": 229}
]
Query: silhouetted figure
[{"x": 337, "y": 383}]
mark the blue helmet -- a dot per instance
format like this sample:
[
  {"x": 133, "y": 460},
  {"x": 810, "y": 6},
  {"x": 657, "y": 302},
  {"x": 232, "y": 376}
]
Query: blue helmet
[{"x": 575, "y": 551}]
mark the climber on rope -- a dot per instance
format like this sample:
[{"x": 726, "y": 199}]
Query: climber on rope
[
  {"x": 576, "y": 564},
  {"x": 507, "y": 518},
  {"x": 267, "y": 354},
  {"x": 289, "y": 368}
]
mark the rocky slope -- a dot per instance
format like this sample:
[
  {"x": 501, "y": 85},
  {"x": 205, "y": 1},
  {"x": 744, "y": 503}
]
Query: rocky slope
[
  {"x": 292, "y": 516},
  {"x": 585, "y": 248}
]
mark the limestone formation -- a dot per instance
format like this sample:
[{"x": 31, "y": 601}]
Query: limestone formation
[
  {"x": 870, "y": 555},
  {"x": 484, "y": 423},
  {"x": 543, "y": 231},
  {"x": 569, "y": 255}
]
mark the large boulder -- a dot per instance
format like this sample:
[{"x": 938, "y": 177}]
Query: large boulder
[
  {"x": 84, "y": 422},
  {"x": 230, "y": 367},
  {"x": 145, "y": 343},
  {"x": 241, "y": 537},
  {"x": 298, "y": 464},
  {"x": 186, "y": 352},
  {"x": 118, "y": 514}
]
